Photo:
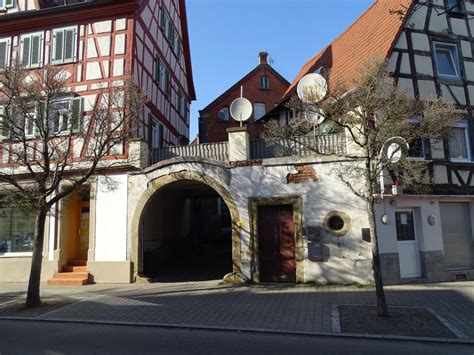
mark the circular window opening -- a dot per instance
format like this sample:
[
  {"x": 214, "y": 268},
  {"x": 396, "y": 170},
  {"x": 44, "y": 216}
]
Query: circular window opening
[{"x": 336, "y": 223}]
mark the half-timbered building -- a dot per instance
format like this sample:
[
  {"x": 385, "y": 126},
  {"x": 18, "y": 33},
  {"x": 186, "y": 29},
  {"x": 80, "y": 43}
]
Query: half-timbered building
[
  {"x": 98, "y": 44},
  {"x": 428, "y": 46}
]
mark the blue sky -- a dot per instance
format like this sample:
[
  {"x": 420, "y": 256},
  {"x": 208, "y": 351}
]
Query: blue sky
[{"x": 226, "y": 36}]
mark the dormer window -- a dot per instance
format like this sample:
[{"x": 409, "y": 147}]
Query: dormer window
[
  {"x": 223, "y": 114},
  {"x": 447, "y": 59},
  {"x": 264, "y": 82}
]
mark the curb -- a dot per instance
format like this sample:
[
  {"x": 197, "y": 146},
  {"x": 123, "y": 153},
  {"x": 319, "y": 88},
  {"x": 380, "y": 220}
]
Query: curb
[{"x": 244, "y": 329}]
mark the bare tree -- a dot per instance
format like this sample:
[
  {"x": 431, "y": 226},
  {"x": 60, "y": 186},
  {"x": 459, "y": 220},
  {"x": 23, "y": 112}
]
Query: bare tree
[
  {"x": 371, "y": 110},
  {"x": 42, "y": 127}
]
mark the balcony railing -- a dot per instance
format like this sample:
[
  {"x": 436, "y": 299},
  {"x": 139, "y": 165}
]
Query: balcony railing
[
  {"x": 298, "y": 146},
  {"x": 259, "y": 149},
  {"x": 216, "y": 151}
]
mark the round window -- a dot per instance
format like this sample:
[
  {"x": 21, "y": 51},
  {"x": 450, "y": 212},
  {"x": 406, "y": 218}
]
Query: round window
[
  {"x": 223, "y": 114},
  {"x": 336, "y": 223}
]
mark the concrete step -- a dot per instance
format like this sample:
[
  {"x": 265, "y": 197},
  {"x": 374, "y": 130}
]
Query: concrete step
[
  {"x": 74, "y": 262},
  {"x": 68, "y": 282},
  {"x": 68, "y": 268},
  {"x": 71, "y": 275}
]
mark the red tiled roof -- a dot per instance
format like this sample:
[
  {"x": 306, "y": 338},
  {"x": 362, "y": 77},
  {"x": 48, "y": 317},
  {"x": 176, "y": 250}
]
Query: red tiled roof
[{"x": 372, "y": 35}]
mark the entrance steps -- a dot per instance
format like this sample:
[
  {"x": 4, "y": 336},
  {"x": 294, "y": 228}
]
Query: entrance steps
[{"x": 73, "y": 274}]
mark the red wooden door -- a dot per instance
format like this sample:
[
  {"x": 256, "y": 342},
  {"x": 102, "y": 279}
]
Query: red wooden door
[{"x": 276, "y": 236}]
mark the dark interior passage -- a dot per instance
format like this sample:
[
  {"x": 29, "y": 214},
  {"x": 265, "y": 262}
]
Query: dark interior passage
[{"x": 186, "y": 234}]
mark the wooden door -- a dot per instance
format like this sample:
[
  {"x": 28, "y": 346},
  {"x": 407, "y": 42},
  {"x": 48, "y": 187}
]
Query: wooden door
[
  {"x": 276, "y": 243},
  {"x": 83, "y": 237}
]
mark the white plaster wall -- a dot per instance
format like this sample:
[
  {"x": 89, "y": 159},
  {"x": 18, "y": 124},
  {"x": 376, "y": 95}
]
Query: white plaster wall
[
  {"x": 430, "y": 238},
  {"x": 111, "y": 220},
  {"x": 350, "y": 256}
]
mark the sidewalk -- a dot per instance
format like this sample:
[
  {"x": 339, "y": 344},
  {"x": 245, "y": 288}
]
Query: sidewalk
[{"x": 305, "y": 309}]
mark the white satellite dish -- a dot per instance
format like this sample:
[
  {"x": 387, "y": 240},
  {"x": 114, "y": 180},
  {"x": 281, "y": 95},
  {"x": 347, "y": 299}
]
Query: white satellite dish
[
  {"x": 241, "y": 109},
  {"x": 314, "y": 116},
  {"x": 312, "y": 88},
  {"x": 395, "y": 149}
]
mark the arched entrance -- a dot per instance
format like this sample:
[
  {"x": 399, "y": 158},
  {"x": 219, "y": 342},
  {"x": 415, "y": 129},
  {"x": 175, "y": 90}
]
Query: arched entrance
[{"x": 185, "y": 228}]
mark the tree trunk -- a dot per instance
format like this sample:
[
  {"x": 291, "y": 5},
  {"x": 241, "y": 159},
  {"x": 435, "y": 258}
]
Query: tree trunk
[
  {"x": 381, "y": 302},
  {"x": 33, "y": 297}
]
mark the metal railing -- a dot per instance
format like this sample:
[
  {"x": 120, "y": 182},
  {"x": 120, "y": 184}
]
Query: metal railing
[
  {"x": 298, "y": 146},
  {"x": 216, "y": 151}
]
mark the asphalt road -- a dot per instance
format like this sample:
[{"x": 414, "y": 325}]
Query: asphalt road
[{"x": 30, "y": 337}]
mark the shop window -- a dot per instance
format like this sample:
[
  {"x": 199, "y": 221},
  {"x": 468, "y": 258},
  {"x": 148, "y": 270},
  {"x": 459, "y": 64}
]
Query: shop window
[
  {"x": 64, "y": 45},
  {"x": 447, "y": 59},
  {"x": 17, "y": 227}
]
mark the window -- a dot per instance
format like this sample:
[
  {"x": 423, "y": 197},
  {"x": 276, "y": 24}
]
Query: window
[
  {"x": 181, "y": 105},
  {"x": 4, "y": 126},
  {"x": 447, "y": 59},
  {"x": 17, "y": 226},
  {"x": 455, "y": 6},
  {"x": 59, "y": 113},
  {"x": 4, "y": 52},
  {"x": 164, "y": 21},
  {"x": 64, "y": 45},
  {"x": 417, "y": 149},
  {"x": 258, "y": 111},
  {"x": 6, "y": 4},
  {"x": 31, "y": 50},
  {"x": 264, "y": 82},
  {"x": 458, "y": 143},
  {"x": 223, "y": 114},
  {"x": 167, "y": 83}
]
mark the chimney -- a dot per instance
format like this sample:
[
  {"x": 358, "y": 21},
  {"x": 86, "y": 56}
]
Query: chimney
[{"x": 263, "y": 57}]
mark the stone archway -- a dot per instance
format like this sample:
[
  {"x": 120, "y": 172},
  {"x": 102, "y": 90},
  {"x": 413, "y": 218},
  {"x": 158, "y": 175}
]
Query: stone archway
[{"x": 161, "y": 182}]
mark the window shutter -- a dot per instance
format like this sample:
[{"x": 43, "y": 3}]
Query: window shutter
[
  {"x": 35, "y": 51},
  {"x": 39, "y": 121},
  {"x": 77, "y": 114},
  {"x": 167, "y": 82},
  {"x": 69, "y": 45},
  {"x": 4, "y": 125},
  {"x": 163, "y": 18},
  {"x": 157, "y": 69},
  {"x": 25, "y": 51},
  {"x": 3, "y": 54},
  {"x": 58, "y": 46}
]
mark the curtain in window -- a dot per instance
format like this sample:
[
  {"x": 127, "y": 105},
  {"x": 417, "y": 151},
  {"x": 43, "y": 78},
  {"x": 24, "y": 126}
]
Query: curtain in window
[{"x": 457, "y": 143}]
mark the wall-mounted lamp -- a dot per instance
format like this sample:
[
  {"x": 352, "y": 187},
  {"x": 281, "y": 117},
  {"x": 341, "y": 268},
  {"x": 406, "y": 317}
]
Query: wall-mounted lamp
[
  {"x": 385, "y": 219},
  {"x": 432, "y": 220}
]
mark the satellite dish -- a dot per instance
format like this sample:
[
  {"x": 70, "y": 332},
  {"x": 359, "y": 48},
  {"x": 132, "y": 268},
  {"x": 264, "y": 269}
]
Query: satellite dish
[
  {"x": 314, "y": 116},
  {"x": 395, "y": 149},
  {"x": 241, "y": 109},
  {"x": 312, "y": 88}
]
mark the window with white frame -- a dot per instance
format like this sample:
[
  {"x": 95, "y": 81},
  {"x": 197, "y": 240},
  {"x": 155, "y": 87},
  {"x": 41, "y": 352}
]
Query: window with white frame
[
  {"x": 458, "y": 143},
  {"x": 4, "y": 127},
  {"x": 59, "y": 116},
  {"x": 264, "y": 82},
  {"x": 223, "y": 114},
  {"x": 24, "y": 122},
  {"x": 258, "y": 111},
  {"x": 64, "y": 45},
  {"x": 6, "y": 4},
  {"x": 4, "y": 52},
  {"x": 447, "y": 59},
  {"x": 31, "y": 50}
]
